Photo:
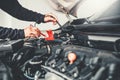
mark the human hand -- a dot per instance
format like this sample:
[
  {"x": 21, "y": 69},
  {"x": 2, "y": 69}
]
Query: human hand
[
  {"x": 50, "y": 18},
  {"x": 32, "y": 31}
]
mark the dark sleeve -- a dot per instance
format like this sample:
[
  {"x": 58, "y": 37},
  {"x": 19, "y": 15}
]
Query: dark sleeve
[
  {"x": 13, "y": 8},
  {"x": 11, "y": 33}
]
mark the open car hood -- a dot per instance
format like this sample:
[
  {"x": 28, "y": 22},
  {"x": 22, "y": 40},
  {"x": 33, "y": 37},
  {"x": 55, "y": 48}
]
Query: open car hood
[
  {"x": 66, "y": 6},
  {"x": 112, "y": 14}
]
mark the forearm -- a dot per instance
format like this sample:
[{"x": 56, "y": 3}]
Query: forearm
[
  {"x": 11, "y": 33},
  {"x": 13, "y": 8},
  {"x": 27, "y": 15}
]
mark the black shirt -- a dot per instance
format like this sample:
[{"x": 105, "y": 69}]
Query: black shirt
[
  {"x": 16, "y": 10},
  {"x": 13, "y": 8}
]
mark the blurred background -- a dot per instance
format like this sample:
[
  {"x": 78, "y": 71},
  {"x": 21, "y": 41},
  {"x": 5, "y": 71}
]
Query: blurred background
[{"x": 86, "y": 9}]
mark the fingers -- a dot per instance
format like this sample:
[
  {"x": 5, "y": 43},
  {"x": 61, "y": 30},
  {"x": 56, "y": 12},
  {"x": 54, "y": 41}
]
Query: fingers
[
  {"x": 31, "y": 31},
  {"x": 32, "y": 35},
  {"x": 51, "y": 18}
]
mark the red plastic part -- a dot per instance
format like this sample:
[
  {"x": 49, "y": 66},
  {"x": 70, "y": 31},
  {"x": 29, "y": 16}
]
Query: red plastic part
[{"x": 50, "y": 35}]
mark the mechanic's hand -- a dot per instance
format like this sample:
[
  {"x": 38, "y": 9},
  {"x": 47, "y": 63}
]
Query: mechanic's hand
[
  {"x": 50, "y": 18},
  {"x": 32, "y": 32}
]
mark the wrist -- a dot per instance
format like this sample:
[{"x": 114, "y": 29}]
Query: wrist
[
  {"x": 22, "y": 33},
  {"x": 40, "y": 19}
]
